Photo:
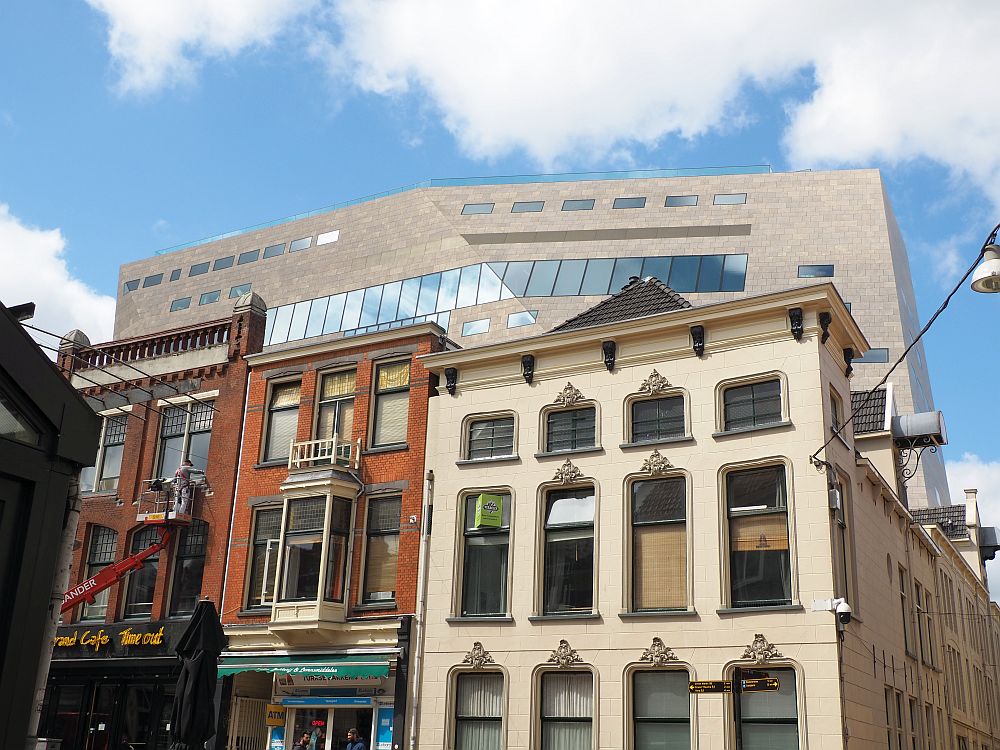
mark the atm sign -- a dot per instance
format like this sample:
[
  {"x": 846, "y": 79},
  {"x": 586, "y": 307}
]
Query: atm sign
[{"x": 275, "y": 716}]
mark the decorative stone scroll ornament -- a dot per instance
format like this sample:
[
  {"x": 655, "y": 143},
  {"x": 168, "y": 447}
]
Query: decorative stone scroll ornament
[
  {"x": 760, "y": 650},
  {"x": 658, "y": 654},
  {"x": 568, "y": 396},
  {"x": 568, "y": 473},
  {"x": 656, "y": 464},
  {"x": 795, "y": 320},
  {"x": 654, "y": 384},
  {"x": 564, "y": 656},
  {"x": 478, "y": 657}
]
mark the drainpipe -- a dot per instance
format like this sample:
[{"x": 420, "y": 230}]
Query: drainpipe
[{"x": 417, "y": 646}]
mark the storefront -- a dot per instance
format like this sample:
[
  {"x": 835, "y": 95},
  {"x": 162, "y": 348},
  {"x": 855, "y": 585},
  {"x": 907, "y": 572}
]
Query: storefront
[
  {"x": 283, "y": 697},
  {"x": 111, "y": 687}
]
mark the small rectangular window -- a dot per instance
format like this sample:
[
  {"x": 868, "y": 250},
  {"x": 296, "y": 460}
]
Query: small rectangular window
[
  {"x": 131, "y": 286},
  {"x": 872, "y": 356},
  {"x": 209, "y": 297},
  {"x": 239, "y": 291},
  {"x": 523, "y": 318},
  {"x": 477, "y": 208},
  {"x": 382, "y": 550},
  {"x": 491, "y": 438},
  {"x": 152, "y": 280},
  {"x": 473, "y": 327},
  {"x": 273, "y": 250},
  {"x": 527, "y": 207},
  {"x": 659, "y": 544},
  {"x": 301, "y": 244},
  {"x": 730, "y": 199},
  {"x": 198, "y": 269},
  {"x": 249, "y": 256},
  {"x": 815, "y": 271},
  {"x": 629, "y": 203},
  {"x": 180, "y": 304},
  {"x": 392, "y": 403},
  {"x": 657, "y": 419},
  {"x": 584, "y": 204},
  {"x": 478, "y": 711},
  {"x": 752, "y": 405},
  {"x": 223, "y": 263},
  {"x": 567, "y": 710},
  {"x": 570, "y": 429},
  {"x": 326, "y": 238},
  {"x": 484, "y": 569},
  {"x": 675, "y": 201},
  {"x": 569, "y": 551},
  {"x": 282, "y": 420},
  {"x": 175, "y": 274},
  {"x": 661, "y": 710},
  {"x": 759, "y": 562}
]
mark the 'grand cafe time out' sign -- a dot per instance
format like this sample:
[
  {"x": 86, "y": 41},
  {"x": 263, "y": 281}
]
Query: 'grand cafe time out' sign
[{"x": 110, "y": 641}]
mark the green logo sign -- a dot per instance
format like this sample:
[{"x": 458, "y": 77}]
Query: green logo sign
[{"x": 489, "y": 511}]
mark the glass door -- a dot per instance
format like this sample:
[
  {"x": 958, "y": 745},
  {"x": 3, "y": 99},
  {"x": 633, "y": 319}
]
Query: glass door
[
  {"x": 308, "y": 729},
  {"x": 102, "y": 709},
  {"x": 137, "y": 722}
]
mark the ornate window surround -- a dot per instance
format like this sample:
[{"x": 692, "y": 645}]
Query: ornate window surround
[
  {"x": 452, "y": 696},
  {"x": 543, "y": 436},
  {"x": 644, "y": 666},
  {"x": 467, "y": 421},
  {"x": 667, "y": 392},
  {"x": 536, "y": 698},
  {"x": 781, "y": 662},
  {"x": 720, "y": 411},
  {"x": 459, "y": 557}
]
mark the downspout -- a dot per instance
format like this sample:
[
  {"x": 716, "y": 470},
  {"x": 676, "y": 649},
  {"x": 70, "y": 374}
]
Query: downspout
[
  {"x": 417, "y": 646},
  {"x": 236, "y": 493}
]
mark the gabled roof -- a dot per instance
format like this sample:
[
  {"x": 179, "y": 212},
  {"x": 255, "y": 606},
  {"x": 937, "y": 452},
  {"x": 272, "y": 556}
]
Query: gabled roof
[
  {"x": 951, "y": 519},
  {"x": 871, "y": 418},
  {"x": 639, "y": 298}
]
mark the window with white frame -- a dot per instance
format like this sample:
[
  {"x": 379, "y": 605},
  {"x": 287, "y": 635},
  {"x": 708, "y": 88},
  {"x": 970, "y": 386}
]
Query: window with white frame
[
  {"x": 185, "y": 433},
  {"x": 661, "y": 710},
  {"x": 101, "y": 552},
  {"x": 189, "y": 567},
  {"x": 571, "y": 429},
  {"x": 103, "y": 475},
  {"x": 478, "y": 711},
  {"x": 567, "y": 710},
  {"x": 771, "y": 720},
  {"x": 569, "y": 551},
  {"x": 381, "y": 550},
  {"x": 264, "y": 557},
  {"x": 282, "y": 420},
  {"x": 659, "y": 544},
  {"x": 492, "y": 437},
  {"x": 656, "y": 419},
  {"x": 486, "y": 545},
  {"x": 751, "y": 405},
  {"x": 338, "y": 541},
  {"x": 759, "y": 560},
  {"x": 336, "y": 410},
  {"x": 142, "y": 582},
  {"x": 392, "y": 403},
  {"x": 303, "y": 548}
]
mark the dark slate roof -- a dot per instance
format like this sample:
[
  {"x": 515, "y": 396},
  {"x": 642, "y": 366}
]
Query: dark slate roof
[
  {"x": 872, "y": 417},
  {"x": 951, "y": 519},
  {"x": 637, "y": 299}
]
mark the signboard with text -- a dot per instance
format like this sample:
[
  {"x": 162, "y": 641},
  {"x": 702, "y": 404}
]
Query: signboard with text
[{"x": 118, "y": 640}]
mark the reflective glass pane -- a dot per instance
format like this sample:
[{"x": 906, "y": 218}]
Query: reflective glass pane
[
  {"x": 238, "y": 291},
  {"x": 468, "y": 286},
  {"x": 448, "y": 292},
  {"x": 222, "y": 263},
  {"x": 408, "y": 298},
  {"x": 370, "y": 305},
  {"x": 198, "y": 268},
  {"x": 710, "y": 277},
  {"x": 390, "y": 301},
  {"x": 730, "y": 199},
  {"x": 131, "y": 286},
  {"x": 516, "y": 278},
  {"x": 489, "y": 284},
  {"x": 629, "y": 203},
  {"x": 674, "y": 201},
  {"x": 657, "y": 267},
  {"x": 300, "y": 244},
  {"x": 624, "y": 269},
  {"x": 805, "y": 272},
  {"x": 598, "y": 276},
  {"x": 248, "y": 257},
  {"x": 175, "y": 274},
  {"x": 180, "y": 304},
  {"x": 585, "y": 204},
  {"x": 527, "y": 207},
  {"x": 734, "y": 273},
  {"x": 334, "y": 312},
  {"x": 661, "y": 695},
  {"x": 570, "y": 506},
  {"x": 352, "y": 309},
  {"x": 209, "y": 297},
  {"x": 300, "y": 316},
  {"x": 570, "y": 277},
  {"x": 523, "y": 318},
  {"x": 282, "y": 319},
  {"x": 542, "y": 278},
  {"x": 327, "y": 237},
  {"x": 269, "y": 324},
  {"x": 157, "y": 278},
  {"x": 427, "y": 302},
  {"x": 477, "y": 208},
  {"x": 317, "y": 314},
  {"x": 271, "y": 250},
  {"x": 684, "y": 273},
  {"x": 473, "y": 327}
]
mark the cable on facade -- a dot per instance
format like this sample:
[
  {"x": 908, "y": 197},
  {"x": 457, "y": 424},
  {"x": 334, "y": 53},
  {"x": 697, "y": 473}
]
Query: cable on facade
[{"x": 103, "y": 387}]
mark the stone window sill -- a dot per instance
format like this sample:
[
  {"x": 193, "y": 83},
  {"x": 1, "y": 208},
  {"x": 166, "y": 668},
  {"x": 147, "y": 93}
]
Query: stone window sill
[
  {"x": 767, "y": 608},
  {"x": 658, "y": 613},
  {"x": 567, "y": 616},
  {"x": 272, "y": 464},
  {"x": 755, "y": 428},
  {"x": 386, "y": 449},
  {"x": 478, "y": 619},
  {"x": 570, "y": 452},
  {"x": 492, "y": 460},
  {"x": 653, "y": 443}
]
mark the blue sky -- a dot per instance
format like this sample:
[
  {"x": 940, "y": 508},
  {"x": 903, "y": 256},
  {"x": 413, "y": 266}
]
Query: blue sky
[{"x": 128, "y": 127}]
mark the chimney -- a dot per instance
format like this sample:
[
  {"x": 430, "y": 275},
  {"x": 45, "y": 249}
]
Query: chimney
[{"x": 971, "y": 509}]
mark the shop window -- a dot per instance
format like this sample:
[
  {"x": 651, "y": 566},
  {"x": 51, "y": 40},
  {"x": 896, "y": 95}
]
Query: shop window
[
  {"x": 569, "y": 551},
  {"x": 491, "y": 438},
  {"x": 185, "y": 432},
  {"x": 103, "y": 476},
  {"x": 392, "y": 403},
  {"x": 478, "y": 711},
  {"x": 142, "y": 582},
  {"x": 661, "y": 710},
  {"x": 567, "y": 714},
  {"x": 659, "y": 544},
  {"x": 335, "y": 580},
  {"x": 486, "y": 545},
  {"x": 336, "y": 410},
  {"x": 189, "y": 566},
  {"x": 759, "y": 562},
  {"x": 571, "y": 429},
  {"x": 752, "y": 405},
  {"x": 771, "y": 720},
  {"x": 656, "y": 419},
  {"x": 282, "y": 420},
  {"x": 303, "y": 549},
  {"x": 382, "y": 551},
  {"x": 101, "y": 553},
  {"x": 264, "y": 557}
]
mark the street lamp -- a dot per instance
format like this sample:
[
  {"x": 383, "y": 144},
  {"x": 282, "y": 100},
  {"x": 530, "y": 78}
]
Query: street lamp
[{"x": 986, "y": 279}]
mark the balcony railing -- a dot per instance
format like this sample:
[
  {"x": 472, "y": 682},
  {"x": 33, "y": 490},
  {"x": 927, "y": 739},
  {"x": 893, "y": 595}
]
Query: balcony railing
[
  {"x": 146, "y": 347},
  {"x": 307, "y": 454}
]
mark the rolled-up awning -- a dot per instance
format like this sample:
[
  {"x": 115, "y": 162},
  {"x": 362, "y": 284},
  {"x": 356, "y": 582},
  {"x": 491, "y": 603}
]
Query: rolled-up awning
[{"x": 356, "y": 667}]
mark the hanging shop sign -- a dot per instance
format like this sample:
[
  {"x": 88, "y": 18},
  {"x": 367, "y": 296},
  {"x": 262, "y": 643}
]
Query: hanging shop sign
[
  {"x": 117, "y": 641},
  {"x": 489, "y": 511},
  {"x": 275, "y": 715}
]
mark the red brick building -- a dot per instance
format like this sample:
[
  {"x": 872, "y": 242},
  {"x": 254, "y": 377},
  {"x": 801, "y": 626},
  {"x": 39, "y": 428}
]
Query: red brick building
[
  {"x": 163, "y": 398},
  {"x": 322, "y": 571}
]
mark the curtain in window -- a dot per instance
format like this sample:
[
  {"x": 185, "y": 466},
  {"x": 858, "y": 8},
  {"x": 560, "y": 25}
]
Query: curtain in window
[
  {"x": 382, "y": 552},
  {"x": 283, "y": 420},
  {"x": 478, "y": 711},
  {"x": 338, "y": 384},
  {"x": 394, "y": 376},
  {"x": 567, "y": 710},
  {"x": 770, "y": 720},
  {"x": 391, "y": 412},
  {"x": 660, "y": 572}
]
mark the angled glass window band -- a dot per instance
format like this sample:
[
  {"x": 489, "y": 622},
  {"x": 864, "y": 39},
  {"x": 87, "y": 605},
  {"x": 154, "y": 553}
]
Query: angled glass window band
[
  {"x": 484, "y": 572},
  {"x": 198, "y": 269},
  {"x": 282, "y": 420},
  {"x": 180, "y": 304},
  {"x": 625, "y": 269},
  {"x": 752, "y": 405},
  {"x": 209, "y": 297},
  {"x": 676, "y": 201},
  {"x": 734, "y": 273},
  {"x": 478, "y": 711},
  {"x": 569, "y": 551},
  {"x": 248, "y": 257},
  {"x": 477, "y": 208},
  {"x": 567, "y": 710},
  {"x": 392, "y": 403},
  {"x": 264, "y": 560},
  {"x": 382, "y": 550},
  {"x": 474, "y": 327},
  {"x": 570, "y": 278},
  {"x": 301, "y": 244},
  {"x": 657, "y": 419},
  {"x": 770, "y": 720},
  {"x": 491, "y": 438},
  {"x": 272, "y": 250},
  {"x": 661, "y": 709},
  {"x": 730, "y": 199},
  {"x": 523, "y": 318},
  {"x": 223, "y": 263},
  {"x": 175, "y": 274},
  {"x": 872, "y": 356},
  {"x": 759, "y": 562},
  {"x": 584, "y": 204},
  {"x": 152, "y": 280},
  {"x": 710, "y": 273},
  {"x": 303, "y": 548},
  {"x": 543, "y": 276},
  {"x": 815, "y": 271},
  {"x": 629, "y": 203},
  {"x": 570, "y": 429},
  {"x": 239, "y": 291},
  {"x": 527, "y": 207},
  {"x": 659, "y": 544}
]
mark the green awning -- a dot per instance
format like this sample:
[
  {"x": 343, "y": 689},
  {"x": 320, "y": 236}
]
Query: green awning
[{"x": 354, "y": 667}]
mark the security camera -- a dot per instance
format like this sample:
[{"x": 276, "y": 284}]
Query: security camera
[{"x": 844, "y": 612}]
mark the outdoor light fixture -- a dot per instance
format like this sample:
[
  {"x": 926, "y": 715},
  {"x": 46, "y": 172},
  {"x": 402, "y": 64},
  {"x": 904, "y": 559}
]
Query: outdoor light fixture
[{"x": 986, "y": 279}]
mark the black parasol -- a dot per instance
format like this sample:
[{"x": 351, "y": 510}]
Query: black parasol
[{"x": 192, "y": 718}]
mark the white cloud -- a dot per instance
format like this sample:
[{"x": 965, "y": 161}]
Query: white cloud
[
  {"x": 35, "y": 270},
  {"x": 972, "y": 472}
]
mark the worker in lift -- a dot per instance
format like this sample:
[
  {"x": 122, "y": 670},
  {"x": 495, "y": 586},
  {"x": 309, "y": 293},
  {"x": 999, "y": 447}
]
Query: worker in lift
[{"x": 184, "y": 486}]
